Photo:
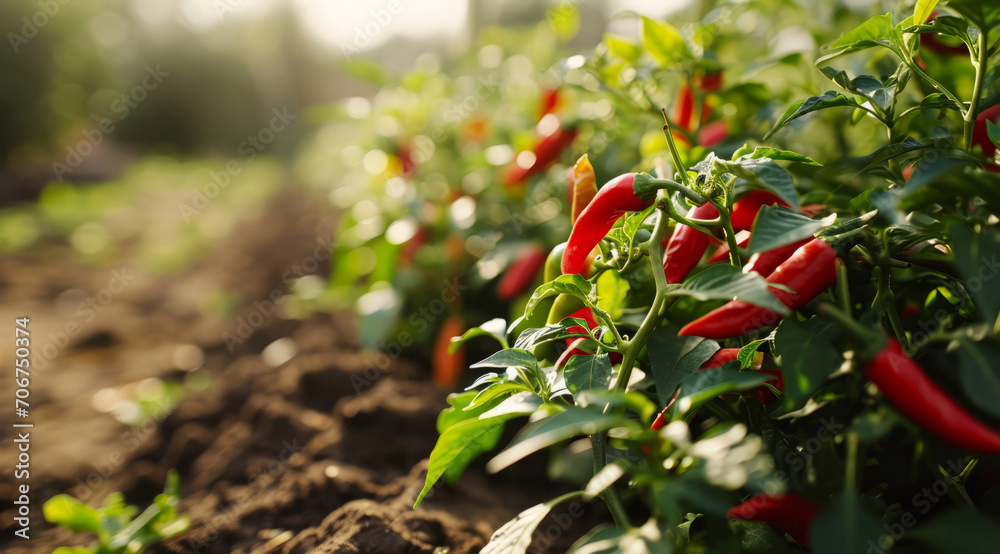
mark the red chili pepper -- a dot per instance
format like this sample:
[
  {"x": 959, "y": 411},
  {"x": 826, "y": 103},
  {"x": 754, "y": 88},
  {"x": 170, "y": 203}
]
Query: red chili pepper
[
  {"x": 808, "y": 272},
  {"x": 929, "y": 41},
  {"x": 546, "y": 151},
  {"x": 409, "y": 250},
  {"x": 684, "y": 108},
  {"x": 790, "y": 512},
  {"x": 549, "y": 102},
  {"x": 713, "y": 133},
  {"x": 611, "y": 202},
  {"x": 981, "y": 137},
  {"x": 904, "y": 383},
  {"x": 584, "y": 187},
  {"x": 448, "y": 368},
  {"x": 407, "y": 164},
  {"x": 711, "y": 81},
  {"x": 687, "y": 245},
  {"x": 745, "y": 209},
  {"x": 521, "y": 274},
  {"x": 764, "y": 263},
  {"x": 721, "y": 253}
]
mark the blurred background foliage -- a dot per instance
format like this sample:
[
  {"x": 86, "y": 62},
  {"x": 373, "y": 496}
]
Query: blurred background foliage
[{"x": 408, "y": 118}]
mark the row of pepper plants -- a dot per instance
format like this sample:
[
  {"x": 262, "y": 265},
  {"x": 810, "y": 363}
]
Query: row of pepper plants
[{"x": 788, "y": 344}]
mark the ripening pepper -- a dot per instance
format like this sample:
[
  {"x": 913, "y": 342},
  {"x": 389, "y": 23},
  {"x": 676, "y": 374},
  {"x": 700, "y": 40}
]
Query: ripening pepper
[
  {"x": 764, "y": 263},
  {"x": 808, "y": 272},
  {"x": 789, "y": 512},
  {"x": 687, "y": 245},
  {"x": 546, "y": 151},
  {"x": 713, "y": 133},
  {"x": 929, "y": 41},
  {"x": 981, "y": 136},
  {"x": 584, "y": 187},
  {"x": 549, "y": 102},
  {"x": 613, "y": 200},
  {"x": 921, "y": 399},
  {"x": 448, "y": 368},
  {"x": 711, "y": 81},
  {"x": 745, "y": 209},
  {"x": 521, "y": 274},
  {"x": 721, "y": 253}
]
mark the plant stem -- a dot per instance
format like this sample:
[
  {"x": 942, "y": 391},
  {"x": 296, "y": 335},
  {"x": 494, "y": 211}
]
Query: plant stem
[
  {"x": 631, "y": 352},
  {"x": 851, "y": 468},
  {"x": 674, "y": 153},
  {"x": 727, "y": 227},
  {"x": 977, "y": 89},
  {"x": 598, "y": 442}
]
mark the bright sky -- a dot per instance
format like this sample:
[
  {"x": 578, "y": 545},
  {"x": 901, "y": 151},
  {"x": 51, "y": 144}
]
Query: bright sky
[{"x": 361, "y": 25}]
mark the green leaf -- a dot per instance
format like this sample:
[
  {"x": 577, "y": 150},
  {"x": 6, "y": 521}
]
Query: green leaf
[
  {"x": 708, "y": 384},
  {"x": 923, "y": 10},
  {"x": 808, "y": 357},
  {"x": 648, "y": 539},
  {"x": 865, "y": 85},
  {"x": 456, "y": 412},
  {"x": 72, "y": 514},
  {"x": 603, "y": 479},
  {"x": 557, "y": 331},
  {"x": 494, "y": 328},
  {"x": 493, "y": 393},
  {"x": 522, "y": 403},
  {"x": 675, "y": 358},
  {"x": 844, "y": 525},
  {"x": 877, "y": 31},
  {"x": 726, "y": 282},
  {"x": 977, "y": 257},
  {"x": 938, "y": 101},
  {"x": 830, "y": 99},
  {"x": 510, "y": 357},
  {"x": 551, "y": 430},
  {"x": 602, "y": 539},
  {"x": 621, "y": 48},
  {"x": 777, "y": 226},
  {"x": 748, "y": 352},
  {"x": 611, "y": 293},
  {"x": 993, "y": 132},
  {"x": 774, "y": 154},
  {"x": 72, "y": 550},
  {"x": 573, "y": 285},
  {"x": 764, "y": 173},
  {"x": 458, "y": 446},
  {"x": 588, "y": 372},
  {"x": 515, "y": 535},
  {"x": 959, "y": 530},
  {"x": 664, "y": 43},
  {"x": 979, "y": 374}
]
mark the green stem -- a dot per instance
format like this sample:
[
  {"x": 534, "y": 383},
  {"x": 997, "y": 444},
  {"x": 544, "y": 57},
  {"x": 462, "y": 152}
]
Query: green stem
[
  {"x": 727, "y": 227},
  {"x": 851, "y": 468},
  {"x": 674, "y": 153},
  {"x": 610, "y": 494},
  {"x": 977, "y": 89},
  {"x": 631, "y": 352}
]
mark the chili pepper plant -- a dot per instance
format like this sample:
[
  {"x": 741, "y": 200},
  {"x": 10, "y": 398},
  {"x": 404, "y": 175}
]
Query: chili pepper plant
[{"x": 830, "y": 382}]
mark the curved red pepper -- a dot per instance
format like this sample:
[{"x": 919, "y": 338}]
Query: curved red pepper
[
  {"x": 687, "y": 245},
  {"x": 611, "y": 202},
  {"x": 684, "y": 108},
  {"x": 810, "y": 270},
  {"x": 548, "y": 102},
  {"x": 929, "y": 41},
  {"x": 546, "y": 151},
  {"x": 764, "y": 263},
  {"x": 521, "y": 273},
  {"x": 904, "y": 383},
  {"x": 981, "y": 137},
  {"x": 711, "y": 81},
  {"x": 713, "y": 133},
  {"x": 745, "y": 209},
  {"x": 790, "y": 512}
]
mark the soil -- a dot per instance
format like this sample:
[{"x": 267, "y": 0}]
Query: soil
[{"x": 320, "y": 453}]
